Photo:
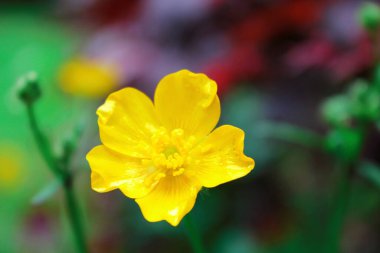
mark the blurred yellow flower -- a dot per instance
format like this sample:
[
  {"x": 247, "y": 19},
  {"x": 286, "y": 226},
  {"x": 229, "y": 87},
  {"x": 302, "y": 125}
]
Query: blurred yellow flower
[
  {"x": 10, "y": 168},
  {"x": 162, "y": 154},
  {"x": 87, "y": 78}
]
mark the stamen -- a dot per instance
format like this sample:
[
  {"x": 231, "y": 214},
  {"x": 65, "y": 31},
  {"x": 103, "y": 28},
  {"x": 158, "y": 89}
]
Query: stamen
[
  {"x": 170, "y": 151},
  {"x": 178, "y": 172}
]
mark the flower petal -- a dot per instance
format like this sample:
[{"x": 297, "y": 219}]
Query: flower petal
[
  {"x": 110, "y": 170},
  {"x": 126, "y": 122},
  {"x": 171, "y": 200},
  {"x": 220, "y": 158},
  {"x": 188, "y": 101}
]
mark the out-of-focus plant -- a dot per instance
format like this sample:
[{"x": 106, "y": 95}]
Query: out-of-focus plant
[
  {"x": 350, "y": 116},
  {"x": 369, "y": 16},
  {"x": 25, "y": 46},
  {"x": 10, "y": 171},
  {"x": 87, "y": 78},
  {"x": 29, "y": 93}
]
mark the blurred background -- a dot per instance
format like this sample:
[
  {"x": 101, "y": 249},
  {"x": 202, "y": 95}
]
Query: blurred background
[{"x": 275, "y": 61}]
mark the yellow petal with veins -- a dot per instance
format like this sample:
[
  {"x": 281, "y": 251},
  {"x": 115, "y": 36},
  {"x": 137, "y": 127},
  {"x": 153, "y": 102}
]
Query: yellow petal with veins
[
  {"x": 170, "y": 200},
  {"x": 220, "y": 158},
  {"x": 188, "y": 101},
  {"x": 111, "y": 170},
  {"x": 127, "y": 122}
]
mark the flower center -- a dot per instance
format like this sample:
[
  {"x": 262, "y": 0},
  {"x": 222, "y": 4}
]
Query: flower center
[{"x": 170, "y": 152}]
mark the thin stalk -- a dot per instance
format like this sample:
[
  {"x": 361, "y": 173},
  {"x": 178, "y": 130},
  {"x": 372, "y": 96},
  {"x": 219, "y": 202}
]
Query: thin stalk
[
  {"x": 193, "y": 235},
  {"x": 43, "y": 144},
  {"x": 75, "y": 217},
  {"x": 342, "y": 195},
  {"x": 339, "y": 209},
  {"x": 64, "y": 175}
]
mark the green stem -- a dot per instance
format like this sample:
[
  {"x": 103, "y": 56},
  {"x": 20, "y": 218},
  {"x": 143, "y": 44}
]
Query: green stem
[
  {"x": 64, "y": 175},
  {"x": 342, "y": 194},
  {"x": 75, "y": 217},
  {"x": 371, "y": 172},
  {"x": 43, "y": 145},
  {"x": 339, "y": 209},
  {"x": 194, "y": 235}
]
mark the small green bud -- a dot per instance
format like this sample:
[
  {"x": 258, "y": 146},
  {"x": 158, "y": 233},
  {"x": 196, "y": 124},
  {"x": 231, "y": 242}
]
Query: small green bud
[
  {"x": 358, "y": 93},
  {"x": 28, "y": 89},
  {"x": 365, "y": 101},
  {"x": 336, "y": 111},
  {"x": 358, "y": 89},
  {"x": 369, "y": 16}
]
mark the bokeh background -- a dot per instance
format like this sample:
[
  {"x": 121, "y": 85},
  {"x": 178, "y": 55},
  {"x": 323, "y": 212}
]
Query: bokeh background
[{"x": 275, "y": 61}]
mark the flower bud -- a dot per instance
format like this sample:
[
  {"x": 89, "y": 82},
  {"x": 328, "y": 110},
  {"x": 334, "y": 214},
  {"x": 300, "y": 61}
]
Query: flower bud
[{"x": 28, "y": 89}]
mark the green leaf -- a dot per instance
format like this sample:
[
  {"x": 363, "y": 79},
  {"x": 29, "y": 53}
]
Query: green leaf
[
  {"x": 371, "y": 172},
  {"x": 47, "y": 192},
  {"x": 290, "y": 133},
  {"x": 376, "y": 77},
  {"x": 372, "y": 104},
  {"x": 344, "y": 143},
  {"x": 369, "y": 16},
  {"x": 233, "y": 240}
]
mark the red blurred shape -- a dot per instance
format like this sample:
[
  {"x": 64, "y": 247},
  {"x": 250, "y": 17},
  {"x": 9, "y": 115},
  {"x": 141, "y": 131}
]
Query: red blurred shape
[
  {"x": 265, "y": 23},
  {"x": 239, "y": 64},
  {"x": 111, "y": 11}
]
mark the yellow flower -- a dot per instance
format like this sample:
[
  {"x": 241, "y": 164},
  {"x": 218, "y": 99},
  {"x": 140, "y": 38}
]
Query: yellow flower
[
  {"x": 10, "y": 168},
  {"x": 87, "y": 78},
  {"x": 162, "y": 154}
]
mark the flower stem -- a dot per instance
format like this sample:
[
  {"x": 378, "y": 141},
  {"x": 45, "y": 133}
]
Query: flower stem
[
  {"x": 339, "y": 209},
  {"x": 74, "y": 216},
  {"x": 43, "y": 144},
  {"x": 342, "y": 194},
  {"x": 64, "y": 175},
  {"x": 193, "y": 235}
]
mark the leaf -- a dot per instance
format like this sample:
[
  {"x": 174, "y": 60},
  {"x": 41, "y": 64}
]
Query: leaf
[
  {"x": 369, "y": 16},
  {"x": 344, "y": 143},
  {"x": 371, "y": 172},
  {"x": 290, "y": 133},
  {"x": 47, "y": 192}
]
